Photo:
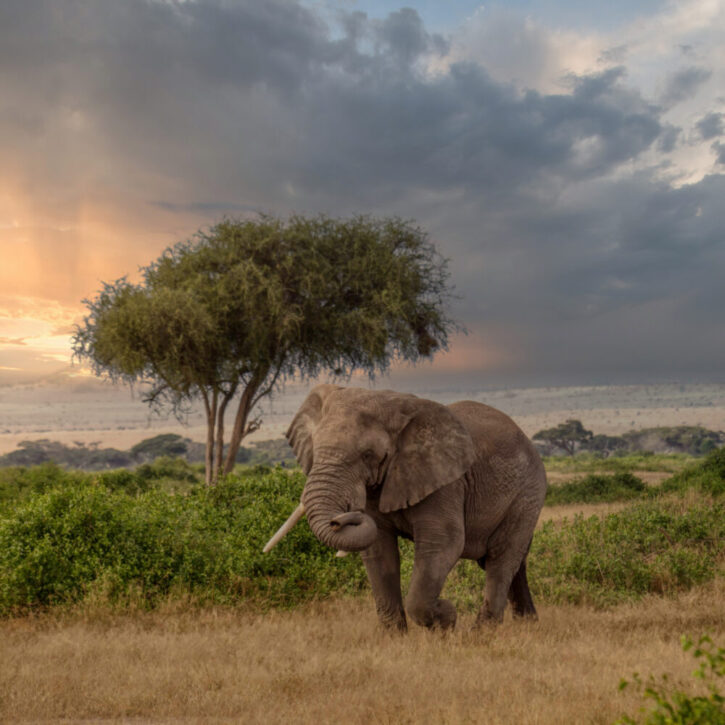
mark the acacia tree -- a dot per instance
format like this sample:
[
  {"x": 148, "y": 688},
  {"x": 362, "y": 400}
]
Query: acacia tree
[
  {"x": 231, "y": 313},
  {"x": 567, "y": 435}
]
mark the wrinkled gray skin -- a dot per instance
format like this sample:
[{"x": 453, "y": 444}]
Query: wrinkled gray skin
[{"x": 460, "y": 480}]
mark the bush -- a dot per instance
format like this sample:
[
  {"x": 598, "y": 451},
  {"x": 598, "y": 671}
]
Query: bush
[
  {"x": 652, "y": 547},
  {"x": 17, "y": 483},
  {"x": 707, "y": 476},
  {"x": 679, "y": 708},
  {"x": 106, "y": 536},
  {"x": 641, "y": 461},
  {"x": 165, "y": 469},
  {"x": 59, "y": 546},
  {"x": 596, "y": 488}
]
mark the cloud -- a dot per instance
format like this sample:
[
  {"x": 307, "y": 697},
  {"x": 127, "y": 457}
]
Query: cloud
[
  {"x": 683, "y": 84},
  {"x": 719, "y": 149},
  {"x": 13, "y": 341},
  {"x": 711, "y": 125},
  {"x": 548, "y": 164}
]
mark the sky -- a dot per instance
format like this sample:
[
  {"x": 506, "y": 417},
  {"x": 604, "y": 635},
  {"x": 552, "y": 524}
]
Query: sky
[{"x": 567, "y": 157}]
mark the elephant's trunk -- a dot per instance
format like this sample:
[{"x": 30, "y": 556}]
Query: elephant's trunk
[{"x": 330, "y": 506}]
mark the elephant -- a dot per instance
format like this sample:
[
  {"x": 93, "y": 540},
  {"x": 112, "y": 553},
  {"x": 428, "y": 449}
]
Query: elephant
[{"x": 460, "y": 480}]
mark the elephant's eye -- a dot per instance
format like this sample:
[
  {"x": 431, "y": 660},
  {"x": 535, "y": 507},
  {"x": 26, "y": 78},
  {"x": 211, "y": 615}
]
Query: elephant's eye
[{"x": 369, "y": 456}]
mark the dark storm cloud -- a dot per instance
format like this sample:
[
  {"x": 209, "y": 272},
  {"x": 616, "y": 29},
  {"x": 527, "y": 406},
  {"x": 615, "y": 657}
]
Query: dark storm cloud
[
  {"x": 683, "y": 84},
  {"x": 211, "y": 107},
  {"x": 668, "y": 139},
  {"x": 719, "y": 149},
  {"x": 711, "y": 125}
]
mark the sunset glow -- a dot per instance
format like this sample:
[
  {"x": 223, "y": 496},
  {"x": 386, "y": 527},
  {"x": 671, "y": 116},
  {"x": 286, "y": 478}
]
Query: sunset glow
[{"x": 568, "y": 161}]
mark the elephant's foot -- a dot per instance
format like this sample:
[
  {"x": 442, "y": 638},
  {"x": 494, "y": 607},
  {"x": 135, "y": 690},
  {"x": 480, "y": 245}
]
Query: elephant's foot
[
  {"x": 487, "y": 616},
  {"x": 486, "y": 619},
  {"x": 393, "y": 621},
  {"x": 442, "y": 615}
]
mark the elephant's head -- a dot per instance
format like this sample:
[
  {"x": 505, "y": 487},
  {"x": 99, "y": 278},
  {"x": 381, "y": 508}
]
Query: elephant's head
[{"x": 353, "y": 443}]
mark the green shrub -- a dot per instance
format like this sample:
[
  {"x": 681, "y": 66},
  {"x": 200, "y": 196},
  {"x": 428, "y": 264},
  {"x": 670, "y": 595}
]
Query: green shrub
[
  {"x": 640, "y": 461},
  {"x": 18, "y": 483},
  {"x": 708, "y": 476},
  {"x": 124, "y": 480},
  {"x": 82, "y": 535},
  {"x": 596, "y": 488},
  {"x": 652, "y": 547},
  {"x": 58, "y": 546},
  {"x": 677, "y": 707}
]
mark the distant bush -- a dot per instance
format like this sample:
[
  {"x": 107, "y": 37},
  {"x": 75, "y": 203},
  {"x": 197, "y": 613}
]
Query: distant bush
[
  {"x": 707, "y": 476},
  {"x": 88, "y": 457},
  {"x": 675, "y": 707},
  {"x": 640, "y": 461},
  {"x": 596, "y": 488},
  {"x": 165, "y": 444},
  {"x": 692, "y": 439},
  {"x": 270, "y": 453}
]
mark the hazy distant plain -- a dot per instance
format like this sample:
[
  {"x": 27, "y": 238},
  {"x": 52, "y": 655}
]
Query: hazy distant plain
[{"x": 87, "y": 410}]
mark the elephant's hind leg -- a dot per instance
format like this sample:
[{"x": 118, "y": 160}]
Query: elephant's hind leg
[
  {"x": 499, "y": 577},
  {"x": 522, "y": 605}
]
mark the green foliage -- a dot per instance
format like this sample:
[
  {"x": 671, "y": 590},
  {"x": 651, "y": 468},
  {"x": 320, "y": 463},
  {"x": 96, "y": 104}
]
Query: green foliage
[
  {"x": 568, "y": 436},
  {"x": 84, "y": 538},
  {"x": 692, "y": 439},
  {"x": 651, "y": 547},
  {"x": 674, "y": 707},
  {"x": 120, "y": 535},
  {"x": 571, "y": 437},
  {"x": 88, "y": 457},
  {"x": 250, "y": 302},
  {"x": 166, "y": 444},
  {"x": 605, "y": 445},
  {"x": 596, "y": 488},
  {"x": 640, "y": 461},
  {"x": 17, "y": 483},
  {"x": 171, "y": 474},
  {"x": 270, "y": 453},
  {"x": 707, "y": 476}
]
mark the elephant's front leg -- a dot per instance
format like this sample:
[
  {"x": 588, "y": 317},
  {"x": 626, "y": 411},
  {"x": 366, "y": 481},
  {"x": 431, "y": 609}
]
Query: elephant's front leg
[
  {"x": 382, "y": 563},
  {"x": 436, "y": 553}
]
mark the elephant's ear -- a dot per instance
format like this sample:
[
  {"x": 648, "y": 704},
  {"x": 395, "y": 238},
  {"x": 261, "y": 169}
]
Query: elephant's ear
[
  {"x": 433, "y": 450},
  {"x": 299, "y": 434}
]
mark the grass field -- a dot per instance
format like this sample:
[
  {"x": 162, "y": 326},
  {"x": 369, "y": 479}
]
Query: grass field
[
  {"x": 329, "y": 663},
  {"x": 99, "y": 660}
]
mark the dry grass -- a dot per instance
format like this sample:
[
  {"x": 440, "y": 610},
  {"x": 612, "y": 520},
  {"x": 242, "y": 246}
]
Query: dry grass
[
  {"x": 329, "y": 663},
  {"x": 570, "y": 510}
]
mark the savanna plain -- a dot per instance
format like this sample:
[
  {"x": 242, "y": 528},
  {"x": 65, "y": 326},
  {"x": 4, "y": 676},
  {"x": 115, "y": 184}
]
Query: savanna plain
[
  {"x": 169, "y": 613},
  {"x": 328, "y": 662}
]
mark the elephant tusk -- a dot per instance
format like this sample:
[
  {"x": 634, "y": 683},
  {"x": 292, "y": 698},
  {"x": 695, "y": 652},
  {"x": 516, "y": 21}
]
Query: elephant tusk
[
  {"x": 283, "y": 530},
  {"x": 341, "y": 553}
]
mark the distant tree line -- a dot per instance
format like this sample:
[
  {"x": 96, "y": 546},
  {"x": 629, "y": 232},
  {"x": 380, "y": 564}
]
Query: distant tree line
[
  {"x": 91, "y": 457},
  {"x": 567, "y": 438},
  {"x": 571, "y": 437}
]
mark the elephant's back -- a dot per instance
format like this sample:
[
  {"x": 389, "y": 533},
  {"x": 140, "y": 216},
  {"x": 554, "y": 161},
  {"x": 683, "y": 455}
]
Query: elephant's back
[{"x": 494, "y": 434}]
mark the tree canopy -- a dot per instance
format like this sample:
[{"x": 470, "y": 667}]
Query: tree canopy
[
  {"x": 567, "y": 435},
  {"x": 242, "y": 306}
]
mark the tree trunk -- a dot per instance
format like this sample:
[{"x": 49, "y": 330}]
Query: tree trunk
[
  {"x": 220, "y": 437},
  {"x": 240, "y": 424},
  {"x": 211, "y": 410}
]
